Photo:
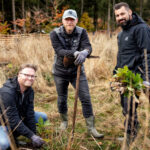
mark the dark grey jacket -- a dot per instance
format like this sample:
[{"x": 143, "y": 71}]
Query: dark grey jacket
[
  {"x": 66, "y": 45},
  {"x": 132, "y": 40},
  {"x": 20, "y": 112}
]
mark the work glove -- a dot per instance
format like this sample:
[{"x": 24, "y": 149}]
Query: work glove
[
  {"x": 76, "y": 54},
  {"x": 81, "y": 57},
  {"x": 146, "y": 84},
  {"x": 117, "y": 86},
  {"x": 37, "y": 141}
]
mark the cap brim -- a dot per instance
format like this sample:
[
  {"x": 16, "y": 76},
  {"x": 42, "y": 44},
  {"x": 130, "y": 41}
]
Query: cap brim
[{"x": 70, "y": 17}]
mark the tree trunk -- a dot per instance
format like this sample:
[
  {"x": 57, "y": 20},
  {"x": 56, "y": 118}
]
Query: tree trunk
[
  {"x": 28, "y": 4},
  {"x": 82, "y": 4},
  {"x": 55, "y": 4},
  {"x": 3, "y": 11},
  {"x": 108, "y": 21},
  {"x": 47, "y": 7},
  {"x": 141, "y": 7},
  {"x": 38, "y": 4},
  {"x": 113, "y": 17},
  {"x": 23, "y": 16},
  {"x": 95, "y": 15},
  {"x": 14, "y": 14},
  {"x": 38, "y": 8}
]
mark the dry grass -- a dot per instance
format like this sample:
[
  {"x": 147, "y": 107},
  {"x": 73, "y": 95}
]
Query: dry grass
[{"x": 37, "y": 49}]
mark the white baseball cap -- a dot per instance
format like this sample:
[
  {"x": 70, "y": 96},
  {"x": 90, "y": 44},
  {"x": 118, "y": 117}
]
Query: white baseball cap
[{"x": 70, "y": 13}]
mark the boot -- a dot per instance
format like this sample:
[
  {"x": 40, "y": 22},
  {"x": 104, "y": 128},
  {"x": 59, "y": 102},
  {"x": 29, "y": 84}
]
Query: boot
[
  {"x": 91, "y": 128},
  {"x": 64, "y": 121}
]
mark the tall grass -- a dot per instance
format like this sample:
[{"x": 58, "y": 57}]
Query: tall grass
[{"x": 37, "y": 49}]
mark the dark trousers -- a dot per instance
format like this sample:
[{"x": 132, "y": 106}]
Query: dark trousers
[
  {"x": 84, "y": 96},
  {"x": 133, "y": 118}
]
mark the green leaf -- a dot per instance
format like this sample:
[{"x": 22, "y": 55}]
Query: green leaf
[
  {"x": 47, "y": 123},
  {"x": 130, "y": 80}
]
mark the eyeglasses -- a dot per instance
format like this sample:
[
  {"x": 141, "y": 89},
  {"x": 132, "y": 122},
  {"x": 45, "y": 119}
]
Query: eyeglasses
[{"x": 28, "y": 75}]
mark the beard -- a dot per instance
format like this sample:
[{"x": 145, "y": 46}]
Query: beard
[{"x": 123, "y": 22}]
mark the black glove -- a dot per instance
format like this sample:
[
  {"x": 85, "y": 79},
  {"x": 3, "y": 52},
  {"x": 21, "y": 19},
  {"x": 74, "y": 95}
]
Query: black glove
[
  {"x": 37, "y": 141},
  {"x": 81, "y": 57}
]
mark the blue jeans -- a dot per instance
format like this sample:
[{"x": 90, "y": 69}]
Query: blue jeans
[{"x": 4, "y": 140}]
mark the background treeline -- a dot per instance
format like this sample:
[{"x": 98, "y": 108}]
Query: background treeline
[{"x": 28, "y": 16}]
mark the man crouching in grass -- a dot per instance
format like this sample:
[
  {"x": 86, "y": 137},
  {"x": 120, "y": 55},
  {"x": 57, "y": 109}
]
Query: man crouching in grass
[{"x": 17, "y": 97}]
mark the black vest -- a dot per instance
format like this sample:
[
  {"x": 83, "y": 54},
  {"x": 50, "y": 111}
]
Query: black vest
[{"x": 69, "y": 42}]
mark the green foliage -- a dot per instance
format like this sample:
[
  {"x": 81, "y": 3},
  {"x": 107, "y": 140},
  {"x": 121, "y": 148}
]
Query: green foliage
[
  {"x": 98, "y": 10},
  {"x": 47, "y": 27},
  {"x": 41, "y": 125},
  {"x": 10, "y": 66},
  {"x": 133, "y": 82},
  {"x": 11, "y": 70},
  {"x": 48, "y": 77},
  {"x": 86, "y": 22},
  {"x": 4, "y": 27}
]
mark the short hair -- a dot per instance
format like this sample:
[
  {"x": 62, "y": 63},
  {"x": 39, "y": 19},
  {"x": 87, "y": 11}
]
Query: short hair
[
  {"x": 34, "y": 67},
  {"x": 119, "y": 5}
]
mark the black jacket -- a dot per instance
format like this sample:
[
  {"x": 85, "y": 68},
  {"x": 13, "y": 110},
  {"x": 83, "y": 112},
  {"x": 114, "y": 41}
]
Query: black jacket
[
  {"x": 66, "y": 45},
  {"x": 19, "y": 108},
  {"x": 132, "y": 40}
]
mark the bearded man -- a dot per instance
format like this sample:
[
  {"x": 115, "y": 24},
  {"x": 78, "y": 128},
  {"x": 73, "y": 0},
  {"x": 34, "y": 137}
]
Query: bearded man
[{"x": 132, "y": 41}]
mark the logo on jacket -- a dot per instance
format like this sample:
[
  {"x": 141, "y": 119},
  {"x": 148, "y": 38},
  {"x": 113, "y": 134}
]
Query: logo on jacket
[{"x": 126, "y": 38}]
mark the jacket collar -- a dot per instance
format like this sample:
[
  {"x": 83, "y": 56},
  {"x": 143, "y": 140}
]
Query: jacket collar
[{"x": 135, "y": 20}]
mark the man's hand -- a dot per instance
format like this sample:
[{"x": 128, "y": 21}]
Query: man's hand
[
  {"x": 80, "y": 57},
  {"x": 117, "y": 86},
  {"x": 37, "y": 141},
  {"x": 146, "y": 84},
  {"x": 76, "y": 54}
]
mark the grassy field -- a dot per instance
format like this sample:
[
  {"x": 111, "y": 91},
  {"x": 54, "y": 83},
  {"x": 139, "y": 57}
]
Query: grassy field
[{"x": 37, "y": 49}]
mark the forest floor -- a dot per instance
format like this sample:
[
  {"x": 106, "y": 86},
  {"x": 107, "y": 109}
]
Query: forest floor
[{"x": 108, "y": 117}]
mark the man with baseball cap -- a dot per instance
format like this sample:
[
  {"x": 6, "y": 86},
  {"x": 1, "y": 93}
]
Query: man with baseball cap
[{"x": 72, "y": 46}]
